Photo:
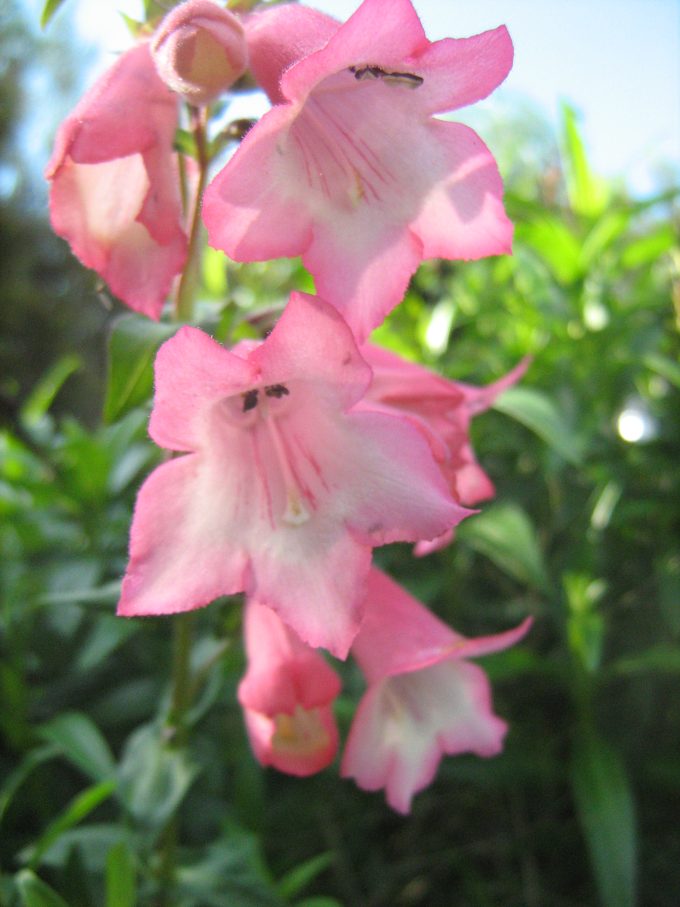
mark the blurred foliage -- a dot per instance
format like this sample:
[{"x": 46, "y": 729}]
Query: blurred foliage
[{"x": 96, "y": 790}]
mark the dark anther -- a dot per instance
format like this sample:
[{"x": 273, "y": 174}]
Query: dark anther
[
  {"x": 408, "y": 79},
  {"x": 276, "y": 390},
  {"x": 249, "y": 400},
  {"x": 237, "y": 129}
]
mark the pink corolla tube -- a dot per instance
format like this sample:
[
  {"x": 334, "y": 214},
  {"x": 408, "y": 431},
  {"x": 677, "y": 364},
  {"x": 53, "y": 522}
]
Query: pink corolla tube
[
  {"x": 424, "y": 699},
  {"x": 443, "y": 409},
  {"x": 287, "y": 696},
  {"x": 285, "y": 486},
  {"x": 114, "y": 194},
  {"x": 352, "y": 169}
]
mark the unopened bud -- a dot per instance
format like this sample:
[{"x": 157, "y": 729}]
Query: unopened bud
[{"x": 200, "y": 50}]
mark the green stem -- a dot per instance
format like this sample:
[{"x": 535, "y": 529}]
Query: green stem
[
  {"x": 184, "y": 298},
  {"x": 178, "y": 736}
]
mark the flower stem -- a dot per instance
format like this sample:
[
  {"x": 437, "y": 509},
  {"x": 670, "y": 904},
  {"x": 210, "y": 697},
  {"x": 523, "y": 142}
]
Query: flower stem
[
  {"x": 177, "y": 737},
  {"x": 184, "y": 297}
]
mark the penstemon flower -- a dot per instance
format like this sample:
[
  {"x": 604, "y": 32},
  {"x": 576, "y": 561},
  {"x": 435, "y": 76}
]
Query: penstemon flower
[
  {"x": 351, "y": 169},
  {"x": 424, "y": 699},
  {"x": 443, "y": 409},
  {"x": 284, "y": 488},
  {"x": 287, "y": 696},
  {"x": 114, "y": 192}
]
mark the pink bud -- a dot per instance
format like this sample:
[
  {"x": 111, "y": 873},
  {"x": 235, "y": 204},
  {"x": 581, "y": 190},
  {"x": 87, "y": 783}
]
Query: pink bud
[{"x": 200, "y": 50}]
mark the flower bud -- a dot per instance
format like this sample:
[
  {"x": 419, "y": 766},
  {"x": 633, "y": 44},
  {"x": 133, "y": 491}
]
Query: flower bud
[{"x": 200, "y": 50}]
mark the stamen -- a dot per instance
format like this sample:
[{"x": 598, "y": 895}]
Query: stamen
[
  {"x": 276, "y": 390},
  {"x": 408, "y": 79},
  {"x": 295, "y": 513},
  {"x": 249, "y": 400}
]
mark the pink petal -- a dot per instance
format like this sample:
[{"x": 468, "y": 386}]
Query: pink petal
[
  {"x": 312, "y": 342},
  {"x": 279, "y": 37},
  {"x": 178, "y": 557},
  {"x": 300, "y": 744},
  {"x": 193, "y": 375},
  {"x": 385, "y": 32},
  {"x": 445, "y": 708},
  {"x": 252, "y": 209},
  {"x": 460, "y": 71},
  {"x": 462, "y": 215},
  {"x": 399, "y": 634}
]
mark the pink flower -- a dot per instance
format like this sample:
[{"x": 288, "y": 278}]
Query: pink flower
[
  {"x": 115, "y": 191},
  {"x": 351, "y": 169},
  {"x": 284, "y": 489},
  {"x": 200, "y": 50},
  {"x": 444, "y": 410},
  {"x": 423, "y": 699},
  {"x": 287, "y": 696}
]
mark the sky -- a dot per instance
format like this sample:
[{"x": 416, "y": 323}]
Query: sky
[{"x": 616, "y": 61}]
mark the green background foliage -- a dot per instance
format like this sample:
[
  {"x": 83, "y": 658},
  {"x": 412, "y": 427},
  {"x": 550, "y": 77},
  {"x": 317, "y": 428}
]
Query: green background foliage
[{"x": 101, "y": 785}]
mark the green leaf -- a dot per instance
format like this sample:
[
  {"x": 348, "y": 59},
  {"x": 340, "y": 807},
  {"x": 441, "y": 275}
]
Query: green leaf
[
  {"x": 559, "y": 248},
  {"x": 133, "y": 344},
  {"x": 505, "y": 535},
  {"x": 318, "y": 901},
  {"x": 36, "y": 893},
  {"x": 14, "y": 780},
  {"x": 665, "y": 367},
  {"x": 604, "y": 805},
  {"x": 588, "y": 194},
  {"x": 49, "y": 9},
  {"x": 649, "y": 248},
  {"x": 121, "y": 882},
  {"x": 300, "y": 876},
  {"x": 661, "y": 659},
  {"x": 80, "y": 741},
  {"x": 154, "y": 776},
  {"x": 80, "y": 807},
  {"x": 537, "y": 412},
  {"x": 42, "y": 396}
]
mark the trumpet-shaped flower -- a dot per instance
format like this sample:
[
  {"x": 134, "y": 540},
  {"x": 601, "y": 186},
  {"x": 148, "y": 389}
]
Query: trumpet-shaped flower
[
  {"x": 424, "y": 699},
  {"x": 351, "y": 169},
  {"x": 287, "y": 696},
  {"x": 114, "y": 192},
  {"x": 284, "y": 488},
  {"x": 444, "y": 410}
]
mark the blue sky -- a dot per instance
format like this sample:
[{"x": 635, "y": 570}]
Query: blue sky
[{"x": 616, "y": 61}]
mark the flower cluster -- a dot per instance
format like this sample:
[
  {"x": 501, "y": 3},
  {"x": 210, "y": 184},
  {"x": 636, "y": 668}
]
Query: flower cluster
[{"x": 296, "y": 455}]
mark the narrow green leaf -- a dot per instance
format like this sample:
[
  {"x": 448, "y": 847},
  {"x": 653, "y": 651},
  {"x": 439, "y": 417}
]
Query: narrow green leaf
[
  {"x": 604, "y": 804},
  {"x": 81, "y": 742},
  {"x": 36, "y": 893},
  {"x": 77, "y": 810},
  {"x": 38, "y": 403},
  {"x": 16, "y": 778},
  {"x": 49, "y": 9},
  {"x": 505, "y": 535},
  {"x": 133, "y": 344},
  {"x": 121, "y": 882},
  {"x": 587, "y": 194},
  {"x": 154, "y": 776},
  {"x": 648, "y": 248},
  {"x": 300, "y": 876},
  {"x": 537, "y": 412}
]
